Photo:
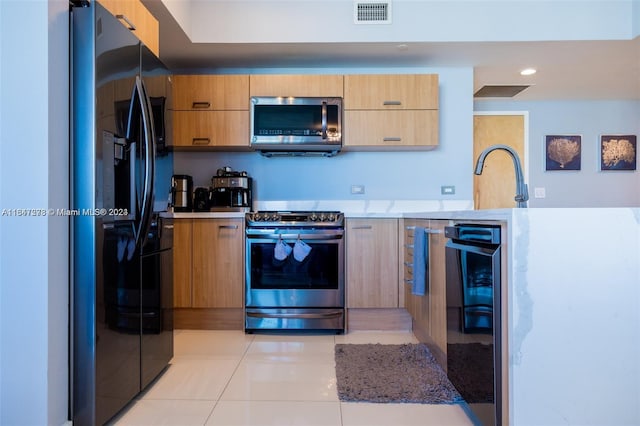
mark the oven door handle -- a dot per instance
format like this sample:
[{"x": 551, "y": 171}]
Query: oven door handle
[
  {"x": 471, "y": 248},
  {"x": 332, "y": 314},
  {"x": 296, "y": 236}
]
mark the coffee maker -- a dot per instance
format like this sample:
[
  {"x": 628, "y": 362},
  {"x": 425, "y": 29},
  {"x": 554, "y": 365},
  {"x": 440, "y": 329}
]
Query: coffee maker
[
  {"x": 182, "y": 193},
  {"x": 231, "y": 190}
]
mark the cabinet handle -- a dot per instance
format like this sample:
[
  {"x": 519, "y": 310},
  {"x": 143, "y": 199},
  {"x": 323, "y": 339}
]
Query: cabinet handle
[
  {"x": 396, "y": 103},
  {"x": 124, "y": 18},
  {"x": 200, "y": 141},
  {"x": 427, "y": 230},
  {"x": 227, "y": 226},
  {"x": 201, "y": 104},
  {"x": 392, "y": 139},
  {"x": 362, "y": 227}
]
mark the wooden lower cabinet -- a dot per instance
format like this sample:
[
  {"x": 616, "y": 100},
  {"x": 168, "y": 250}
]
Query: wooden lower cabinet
[
  {"x": 208, "y": 257},
  {"x": 218, "y": 263},
  {"x": 372, "y": 263},
  {"x": 182, "y": 263},
  {"x": 429, "y": 312}
]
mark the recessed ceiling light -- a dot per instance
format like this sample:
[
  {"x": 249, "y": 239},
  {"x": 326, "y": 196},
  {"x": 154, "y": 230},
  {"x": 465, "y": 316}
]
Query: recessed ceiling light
[
  {"x": 402, "y": 47},
  {"x": 528, "y": 71}
]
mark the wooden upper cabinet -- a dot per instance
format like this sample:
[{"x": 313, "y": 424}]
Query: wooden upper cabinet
[
  {"x": 137, "y": 18},
  {"x": 378, "y": 129},
  {"x": 211, "y": 92},
  {"x": 296, "y": 85},
  {"x": 211, "y": 129},
  {"x": 385, "y": 91},
  {"x": 387, "y": 112}
]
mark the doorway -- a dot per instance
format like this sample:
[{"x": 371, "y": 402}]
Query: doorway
[{"x": 495, "y": 188}]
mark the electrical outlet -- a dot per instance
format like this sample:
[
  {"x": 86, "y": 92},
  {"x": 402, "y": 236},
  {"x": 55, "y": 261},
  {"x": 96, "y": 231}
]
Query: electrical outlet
[
  {"x": 539, "y": 192},
  {"x": 447, "y": 190},
  {"x": 357, "y": 189}
]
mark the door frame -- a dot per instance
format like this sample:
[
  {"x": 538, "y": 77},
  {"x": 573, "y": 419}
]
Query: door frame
[{"x": 525, "y": 114}]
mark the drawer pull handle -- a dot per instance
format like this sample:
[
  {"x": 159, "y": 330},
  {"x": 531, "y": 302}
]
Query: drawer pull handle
[
  {"x": 124, "y": 18},
  {"x": 392, "y": 103},
  {"x": 362, "y": 227},
  {"x": 228, "y": 227},
  {"x": 201, "y": 104},
  {"x": 392, "y": 139},
  {"x": 201, "y": 141},
  {"x": 427, "y": 230}
]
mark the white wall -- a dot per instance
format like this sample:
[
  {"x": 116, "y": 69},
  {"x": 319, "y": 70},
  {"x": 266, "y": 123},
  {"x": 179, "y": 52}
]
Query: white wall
[
  {"x": 635, "y": 18},
  {"x": 588, "y": 187},
  {"x": 385, "y": 175},
  {"x": 294, "y": 21},
  {"x": 33, "y": 175}
]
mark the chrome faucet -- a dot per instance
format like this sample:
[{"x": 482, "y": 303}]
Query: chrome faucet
[{"x": 522, "y": 193}]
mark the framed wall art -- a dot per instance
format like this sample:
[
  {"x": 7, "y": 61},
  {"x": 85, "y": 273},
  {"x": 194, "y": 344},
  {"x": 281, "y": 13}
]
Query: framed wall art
[
  {"x": 563, "y": 152},
  {"x": 618, "y": 152}
]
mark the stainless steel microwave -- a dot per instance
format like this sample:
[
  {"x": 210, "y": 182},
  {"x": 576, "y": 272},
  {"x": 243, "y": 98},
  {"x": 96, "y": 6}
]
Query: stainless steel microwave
[{"x": 296, "y": 125}]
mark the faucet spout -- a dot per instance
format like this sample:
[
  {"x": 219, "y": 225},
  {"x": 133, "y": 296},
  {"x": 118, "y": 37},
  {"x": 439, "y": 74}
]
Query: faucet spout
[{"x": 522, "y": 192}]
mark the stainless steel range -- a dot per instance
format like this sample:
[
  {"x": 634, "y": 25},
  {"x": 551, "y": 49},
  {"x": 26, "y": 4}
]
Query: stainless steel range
[{"x": 294, "y": 271}]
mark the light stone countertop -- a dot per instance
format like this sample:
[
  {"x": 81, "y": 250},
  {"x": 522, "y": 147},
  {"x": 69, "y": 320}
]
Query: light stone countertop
[{"x": 350, "y": 208}]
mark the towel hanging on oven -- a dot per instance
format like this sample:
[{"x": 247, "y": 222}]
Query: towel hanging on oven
[
  {"x": 301, "y": 250},
  {"x": 282, "y": 250}
]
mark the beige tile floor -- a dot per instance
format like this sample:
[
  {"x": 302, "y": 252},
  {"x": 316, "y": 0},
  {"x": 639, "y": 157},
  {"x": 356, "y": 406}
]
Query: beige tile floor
[{"x": 228, "y": 378}]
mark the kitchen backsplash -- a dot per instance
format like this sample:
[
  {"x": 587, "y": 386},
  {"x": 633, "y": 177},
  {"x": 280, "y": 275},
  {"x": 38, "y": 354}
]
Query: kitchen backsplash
[{"x": 382, "y": 175}]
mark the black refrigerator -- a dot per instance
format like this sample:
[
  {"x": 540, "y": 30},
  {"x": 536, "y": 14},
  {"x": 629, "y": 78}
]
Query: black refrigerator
[{"x": 121, "y": 242}]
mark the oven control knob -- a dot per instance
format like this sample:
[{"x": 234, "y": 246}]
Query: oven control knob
[
  {"x": 323, "y": 217},
  {"x": 274, "y": 217},
  {"x": 256, "y": 217},
  {"x": 313, "y": 217},
  {"x": 331, "y": 217}
]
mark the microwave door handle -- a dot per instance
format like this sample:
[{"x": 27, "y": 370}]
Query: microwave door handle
[{"x": 324, "y": 119}]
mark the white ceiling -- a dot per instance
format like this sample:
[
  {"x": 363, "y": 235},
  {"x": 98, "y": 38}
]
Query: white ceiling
[{"x": 566, "y": 69}]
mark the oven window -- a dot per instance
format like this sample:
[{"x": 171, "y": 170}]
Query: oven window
[
  {"x": 477, "y": 291},
  {"x": 318, "y": 270}
]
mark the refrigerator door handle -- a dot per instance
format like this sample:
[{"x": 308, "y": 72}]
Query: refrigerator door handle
[{"x": 149, "y": 160}]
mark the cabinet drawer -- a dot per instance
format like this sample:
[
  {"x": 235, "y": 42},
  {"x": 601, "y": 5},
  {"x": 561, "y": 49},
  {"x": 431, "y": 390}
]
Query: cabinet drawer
[
  {"x": 211, "y": 129},
  {"x": 390, "y": 92},
  {"x": 391, "y": 128},
  {"x": 211, "y": 92}
]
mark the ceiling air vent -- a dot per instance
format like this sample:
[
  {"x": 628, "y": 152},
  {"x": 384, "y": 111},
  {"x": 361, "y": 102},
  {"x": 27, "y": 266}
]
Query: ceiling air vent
[
  {"x": 505, "y": 91},
  {"x": 372, "y": 12}
]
